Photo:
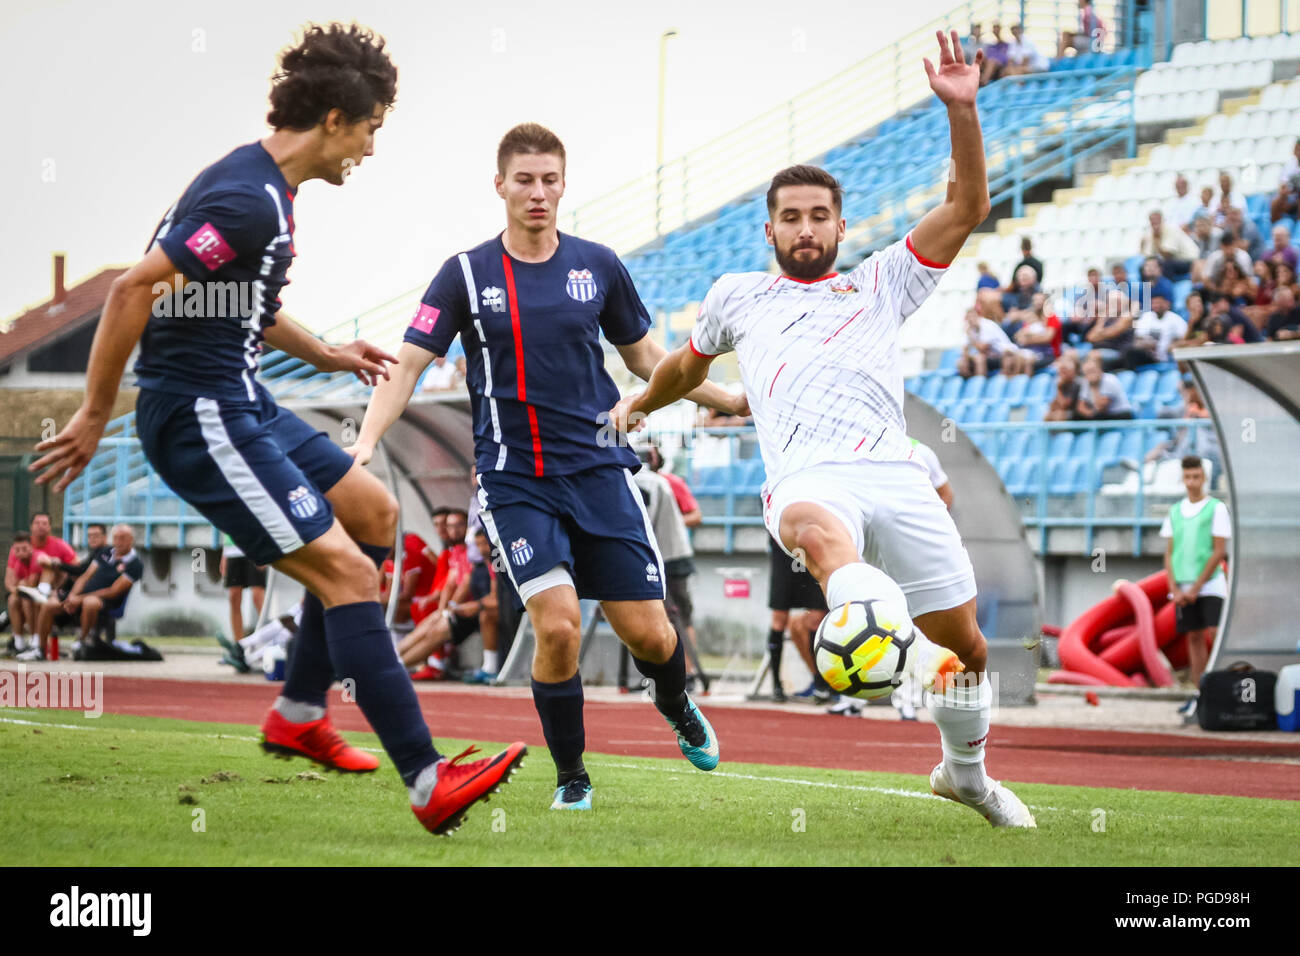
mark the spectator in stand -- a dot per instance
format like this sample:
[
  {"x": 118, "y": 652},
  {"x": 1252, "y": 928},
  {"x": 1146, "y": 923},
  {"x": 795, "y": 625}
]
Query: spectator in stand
[
  {"x": 1234, "y": 325},
  {"x": 995, "y": 56},
  {"x": 1285, "y": 277},
  {"x": 1203, "y": 236},
  {"x": 1155, "y": 332},
  {"x": 1180, "y": 210},
  {"x": 96, "y": 542},
  {"x": 1087, "y": 301},
  {"x": 973, "y": 43},
  {"x": 1248, "y": 236},
  {"x": 440, "y": 377},
  {"x": 987, "y": 279},
  {"x": 1023, "y": 57},
  {"x": 1287, "y": 201},
  {"x": 435, "y": 622},
  {"x": 460, "y": 371},
  {"x": 1039, "y": 341},
  {"x": 1197, "y": 318},
  {"x": 1018, "y": 301},
  {"x": 1119, "y": 279},
  {"x": 1112, "y": 334},
  {"x": 1154, "y": 282},
  {"x": 1212, "y": 272},
  {"x": 985, "y": 343},
  {"x": 102, "y": 589},
  {"x": 1101, "y": 396},
  {"x": 1240, "y": 287},
  {"x": 1228, "y": 197},
  {"x": 1266, "y": 285},
  {"x": 1284, "y": 322},
  {"x": 1281, "y": 250},
  {"x": 1087, "y": 38},
  {"x": 1207, "y": 207},
  {"x": 1198, "y": 529},
  {"x": 21, "y": 571},
  {"x": 1066, "y": 399},
  {"x": 1027, "y": 258},
  {"x": 419, "y": 566},
  {"x": 1173, "y": 249}
]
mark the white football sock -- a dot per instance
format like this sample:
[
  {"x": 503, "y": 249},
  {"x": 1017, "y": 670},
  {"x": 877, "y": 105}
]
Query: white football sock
[
  {"x": 860, "y": 581},
  {"x": 296, "y": 712},
  {"x": 962, "y": 716},
  {"x": 490, "y": 664},
  {"x": 422, "y": 789}
]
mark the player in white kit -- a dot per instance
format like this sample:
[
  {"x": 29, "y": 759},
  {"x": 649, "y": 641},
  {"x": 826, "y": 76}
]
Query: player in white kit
[{"x": 819, "y": 357}]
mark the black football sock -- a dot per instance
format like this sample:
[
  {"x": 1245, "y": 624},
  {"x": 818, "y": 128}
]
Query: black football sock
[
  {"x": 775, "y": 642},
  {"x": 559, "y": 706},
  {"x": 670, "y": 681}
]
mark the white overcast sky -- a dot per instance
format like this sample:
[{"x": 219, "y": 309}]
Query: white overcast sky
[{"x": 122, "y": 104}]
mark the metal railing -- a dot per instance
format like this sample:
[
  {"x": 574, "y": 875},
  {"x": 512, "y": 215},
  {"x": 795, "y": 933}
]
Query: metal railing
[{"x": 1044, "y": 505}]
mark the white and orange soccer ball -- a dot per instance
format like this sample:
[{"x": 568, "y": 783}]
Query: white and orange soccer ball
[{"x": 864, "y": 648}]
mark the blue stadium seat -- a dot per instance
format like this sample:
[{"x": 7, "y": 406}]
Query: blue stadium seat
[
  {"x": 948, "y": 361},
  {"x": 711, "y": 480},
  {"x": 1126, "y": 377},
  {"x": 914, "y": 384},
  {"x": 1144, "y": 385},
  {"x": 996, "y": 388},
  {"x": 1067, "y": 477},
  {"x": 1059, "y": 445},
  {"x": 1013, "y": 393},
  {"x": 974, "y": 388},
  {"x": 931, "y": 388},
  {"x": 951, "y": 389},
  {"x": 996, "y": 412},
  {"x": 973, "y": 413},
  {"x": 1107, "y": 448},
  {"x": 1041, "y": 387},
  {"x": 1167, "y": 390},
  {"x": 1024, "y": 478},
  {"x": 1131, "y": 445},
  {"x": 1006, "y": 467},
  {"x": 1015, "y": 445}
]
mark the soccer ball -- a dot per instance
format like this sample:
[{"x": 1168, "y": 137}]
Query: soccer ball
[{"x": 863, "y": 648}]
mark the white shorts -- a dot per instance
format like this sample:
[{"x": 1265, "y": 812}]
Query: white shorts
[{"x": 896, "y": 520}]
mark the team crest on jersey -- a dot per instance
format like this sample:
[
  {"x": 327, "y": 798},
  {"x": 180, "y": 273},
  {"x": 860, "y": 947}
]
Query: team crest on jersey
[
  {"x": 843, "y": 286},
  {"x": 521, "y": 552},
  {"x": 494, "y": 299},
  {"x": 302, "y": 502},
  {"x": 581, "y": 285},
  {"x": 652, "y": 573}
]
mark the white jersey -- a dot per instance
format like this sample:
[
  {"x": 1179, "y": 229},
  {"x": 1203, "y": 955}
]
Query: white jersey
[{"x": 820, "y": 359}]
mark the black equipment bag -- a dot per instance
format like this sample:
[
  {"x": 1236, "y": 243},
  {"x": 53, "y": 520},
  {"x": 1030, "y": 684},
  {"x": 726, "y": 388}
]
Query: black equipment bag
[{"x": 1239, "y": 698}]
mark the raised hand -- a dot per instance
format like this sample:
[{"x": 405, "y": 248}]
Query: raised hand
[
  {"x": 955, "y": 82},
  {"x": 364, "y": 360}
]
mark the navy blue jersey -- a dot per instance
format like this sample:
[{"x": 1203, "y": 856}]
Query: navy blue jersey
[
  {"x": 230, "y": 236},
  {"x": 534, "y": 365}
]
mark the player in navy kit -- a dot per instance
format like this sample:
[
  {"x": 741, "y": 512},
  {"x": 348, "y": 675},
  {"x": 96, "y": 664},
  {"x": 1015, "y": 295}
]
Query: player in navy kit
[
  {"x": 282, "y": 491},
  {"x": 554, "y": 482}
]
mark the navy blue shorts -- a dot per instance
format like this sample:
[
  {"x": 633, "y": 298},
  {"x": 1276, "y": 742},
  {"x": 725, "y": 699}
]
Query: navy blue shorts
[
  {"x": 253, "y": 469},
  {"x": 593, "y": 522}
]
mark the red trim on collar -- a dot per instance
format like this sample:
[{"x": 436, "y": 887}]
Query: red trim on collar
[{"x": 829, "y": 275}]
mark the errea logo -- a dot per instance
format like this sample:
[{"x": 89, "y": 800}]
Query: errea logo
[
  {"x": 76, "y": 909},
  {"x": 494, "y": 299}
]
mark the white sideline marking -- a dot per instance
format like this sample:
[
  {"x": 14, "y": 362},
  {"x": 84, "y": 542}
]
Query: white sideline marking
[{"x": 132, "y": 730}]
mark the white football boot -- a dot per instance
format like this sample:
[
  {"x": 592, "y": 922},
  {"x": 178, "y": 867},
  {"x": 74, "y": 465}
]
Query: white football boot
[{"x": 999, "y": 806}]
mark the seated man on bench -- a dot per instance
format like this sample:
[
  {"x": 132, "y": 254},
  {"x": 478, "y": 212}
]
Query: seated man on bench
[{"x": 101, "y": 589}]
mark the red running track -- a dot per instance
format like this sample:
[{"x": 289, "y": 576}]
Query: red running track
[{"x": 1091, "y": 758}]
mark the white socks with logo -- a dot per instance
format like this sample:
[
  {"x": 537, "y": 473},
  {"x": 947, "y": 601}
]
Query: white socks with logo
[
  {"x": 861, "y": 582},
  {"x": 962, "y": 716}
]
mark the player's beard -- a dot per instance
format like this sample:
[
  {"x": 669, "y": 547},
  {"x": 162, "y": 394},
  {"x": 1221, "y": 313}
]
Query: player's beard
[{"x": 807, "y": 268}]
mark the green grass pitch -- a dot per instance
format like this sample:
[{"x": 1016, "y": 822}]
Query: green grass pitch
[{"x": 142, "y": 791}]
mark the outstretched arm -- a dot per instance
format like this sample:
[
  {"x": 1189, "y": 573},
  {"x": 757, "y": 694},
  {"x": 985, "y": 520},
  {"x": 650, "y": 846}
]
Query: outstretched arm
[
  {"x": 126, "y": 313},
  {"x": 644, "y": 356},
  {"x": 389, "y": 399},
  {"x": 942, "y": 232},
  {"x": 678, "y": 375},
  {"x": 364, "y": 360}
]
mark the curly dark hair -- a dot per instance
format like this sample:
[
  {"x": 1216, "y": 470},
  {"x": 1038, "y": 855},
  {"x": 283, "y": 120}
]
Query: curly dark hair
[{"x": 334, "y": 67}]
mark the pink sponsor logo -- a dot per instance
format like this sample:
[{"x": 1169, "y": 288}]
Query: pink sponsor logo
[
  {"x": 735, "y": 588},
  {"x": 425, "y": 316},
  {"x": 212, "y": 250}
]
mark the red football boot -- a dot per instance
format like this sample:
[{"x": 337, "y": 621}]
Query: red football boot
[
  {"x": 316, "y": 740},
  {"x": 461, "y": 784}
]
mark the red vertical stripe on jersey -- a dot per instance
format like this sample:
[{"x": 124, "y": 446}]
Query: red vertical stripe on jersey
[
  {"x": 521, "y": 387},
  {"x": 775, "y": 377},
  {"x": 842, "y": 327}
]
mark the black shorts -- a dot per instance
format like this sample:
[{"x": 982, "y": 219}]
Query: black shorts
[
  {"x": 480, "y": 581},
  {"x": 462, "y": 628},
  {"x": 680, "y": 605},
  {"x": 1202, "y": 613},
  {"x": 788, "y": 588},
  {"x": 241, "y": 572}
]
